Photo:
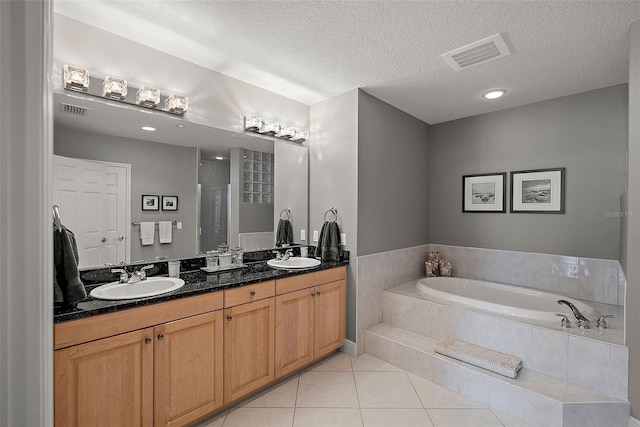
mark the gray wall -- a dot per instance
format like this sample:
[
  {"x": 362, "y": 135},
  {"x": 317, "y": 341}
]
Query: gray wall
[
  {"x": 333, "y": 178},
  {"x": 585, "y": 133},
  {"x": 631, "y": 225},
  {"x": 393, "y": 178},
  {"x": 160, "y": 169},
  {"x": 291, "y": 178}
]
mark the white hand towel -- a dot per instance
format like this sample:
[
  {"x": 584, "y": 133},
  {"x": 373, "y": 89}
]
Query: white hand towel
[
  {"x": 165, "y": 228},
  {"x": 147, "y": 233}
]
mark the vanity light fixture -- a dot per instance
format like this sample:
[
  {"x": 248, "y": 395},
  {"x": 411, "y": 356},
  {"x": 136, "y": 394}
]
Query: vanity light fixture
[
  {"x": 259, "y": 125},
  {"x": 219, "y": 158},
  {"x": 176, "y": 104},
  {"x": 148, "y": 97},
  {"x": 76, "y": 78},
  {"x": 79, "y": 80},
  {"x": 148, "y": 128},
  {"x": 114, "y": 88},
  {"x": 494, "y": 94}
]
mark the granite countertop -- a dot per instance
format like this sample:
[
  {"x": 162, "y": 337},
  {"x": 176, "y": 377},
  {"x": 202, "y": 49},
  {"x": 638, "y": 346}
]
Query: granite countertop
[{"x": 197, "y": 282}]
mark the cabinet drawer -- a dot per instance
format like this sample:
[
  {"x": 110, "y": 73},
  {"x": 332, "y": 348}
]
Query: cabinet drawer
[
  {"x": 249, "y": 293},
  {"x": 302, "y": 281}
]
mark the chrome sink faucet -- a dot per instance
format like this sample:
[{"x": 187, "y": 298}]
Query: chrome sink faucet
[
  {"x": 136, "y": 276},
  {"x": 287, "y": 254},
  {"x": 140, "y": 275},
  {"x": 583, "y": 322}
]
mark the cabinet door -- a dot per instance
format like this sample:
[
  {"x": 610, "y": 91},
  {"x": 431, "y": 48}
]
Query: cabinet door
[
  {"x": 188, "y": 369},
  {"x": 108, "y": 382},
  {"x": 248, "y": 348},
  {"x": 330, "y": 311},
  {"x": 294, "y": 331}
]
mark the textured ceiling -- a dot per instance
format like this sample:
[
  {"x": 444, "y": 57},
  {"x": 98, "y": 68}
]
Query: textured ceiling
[{"x": 313, "y": 50}]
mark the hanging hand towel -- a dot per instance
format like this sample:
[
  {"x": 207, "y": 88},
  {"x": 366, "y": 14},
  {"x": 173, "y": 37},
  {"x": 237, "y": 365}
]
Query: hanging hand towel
[
  {"x": 280, "y": 233},
  {"x": 165, "y": 228},
  {"x": 147, "y": 233},
  {"x": 68, "y": 288}
]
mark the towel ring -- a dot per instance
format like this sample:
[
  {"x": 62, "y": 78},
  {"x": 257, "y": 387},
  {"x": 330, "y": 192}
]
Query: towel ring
[
  {"x": 287, "y": 211},
  {"x": 334, "y": 211}
]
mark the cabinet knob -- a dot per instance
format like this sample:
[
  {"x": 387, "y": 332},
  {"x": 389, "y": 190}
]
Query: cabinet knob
[
  {"x": 147, "y": 340},
  {"x": 313, "y": 294},
  {"x": 104, "y": 239},
  {"x": 121, "y": 238},
  {"x": 160, "y": 337},
  {"x": 252, "y": 293},
  {"x": 318, "y": 293},
  {"x": 229, "y": 318}
]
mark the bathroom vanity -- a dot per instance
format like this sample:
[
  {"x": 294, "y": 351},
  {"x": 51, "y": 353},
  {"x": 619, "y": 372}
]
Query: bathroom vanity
[{"x": 173, "y": 360}]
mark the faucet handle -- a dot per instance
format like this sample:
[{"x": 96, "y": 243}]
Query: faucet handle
[
  {"x": 124, "y": 276},
  {"x": 564, "y": 322},
  {"x": 602, "y": 324},
  {"x": 278, "y": 254},
  {"x": 147, "y": 267}
]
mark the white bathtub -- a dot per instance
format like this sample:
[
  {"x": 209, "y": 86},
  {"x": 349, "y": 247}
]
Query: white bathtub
[{"x": 501, "y": 299}]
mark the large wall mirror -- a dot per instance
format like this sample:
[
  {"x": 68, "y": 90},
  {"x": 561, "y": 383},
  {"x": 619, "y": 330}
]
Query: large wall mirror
[{"x": 213, "y": 186}]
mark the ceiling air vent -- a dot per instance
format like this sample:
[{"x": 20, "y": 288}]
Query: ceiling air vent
[
  {"x": 477, "y": 53},
  {"x": 73, "y": 109}
]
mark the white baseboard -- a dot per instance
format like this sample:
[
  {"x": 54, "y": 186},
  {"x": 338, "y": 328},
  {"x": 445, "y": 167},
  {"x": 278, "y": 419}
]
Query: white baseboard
[
  {"x": 633, "y": 422},
  {"x": 351, "y": 348}
]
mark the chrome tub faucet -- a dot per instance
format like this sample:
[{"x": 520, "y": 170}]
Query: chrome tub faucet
[{"x": 583, "y": 322}]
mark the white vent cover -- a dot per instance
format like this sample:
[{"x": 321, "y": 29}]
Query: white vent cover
[
  {"x": 73, "y": 109},
  {"x": 477, "y": 53}
]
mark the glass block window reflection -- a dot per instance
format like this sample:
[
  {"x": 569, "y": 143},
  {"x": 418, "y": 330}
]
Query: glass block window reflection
[{"x": 258, "y": 177}]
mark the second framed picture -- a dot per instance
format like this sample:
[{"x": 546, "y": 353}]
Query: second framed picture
[
  {"x": 169, "y": 203},
  {"x": 538, "y": 191},
  {"x": 484, "y": 193}
]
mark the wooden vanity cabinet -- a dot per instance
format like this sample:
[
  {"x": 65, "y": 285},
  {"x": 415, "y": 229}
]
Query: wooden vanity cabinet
[
  {"x": 310, "y": 320},
  {"x": 248, "y": 348},
  {"x": 165, "y": 374},
  {"x": 187, "y": 369},
  {"x": 108, "y": 382}
]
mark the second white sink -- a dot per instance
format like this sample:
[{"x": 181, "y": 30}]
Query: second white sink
[
  {"x": 294, "y": 263},
  {"x": 147, "y": 288}
]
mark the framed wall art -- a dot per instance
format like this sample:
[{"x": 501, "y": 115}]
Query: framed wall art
[
  {"x": 538, "y": 191},
  {"x": 484, "y": 193},
  {"x": 150, "y": 202},
  {"x": 169, "y": 203}
]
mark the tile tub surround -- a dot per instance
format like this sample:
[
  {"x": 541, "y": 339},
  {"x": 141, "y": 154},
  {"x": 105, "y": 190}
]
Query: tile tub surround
[
  {"x": 589, "y": 279},
  {"x": 379, "y": 272},
  {"x": 591, "y": 358},
  {"x": 532, "y": 397}
]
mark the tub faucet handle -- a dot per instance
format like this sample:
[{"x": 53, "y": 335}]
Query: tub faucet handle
[
  {"x": 602, "y": 324},
  {"x": 564, "y": 322}
]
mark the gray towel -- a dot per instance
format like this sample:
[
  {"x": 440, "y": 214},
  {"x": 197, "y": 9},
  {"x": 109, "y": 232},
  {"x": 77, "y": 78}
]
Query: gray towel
[
  {"x": 68, "y": 288},
  {"x": 318, "y": 253},
  {"x": 328, "y": 248},
  {"x": 284, "y": 233}
]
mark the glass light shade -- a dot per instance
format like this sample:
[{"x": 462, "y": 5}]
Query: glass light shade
[
  {"x": 148, "y": 97},
  {"x": 176, "y": 104},
  {"x": 300, "y": 135},
  {"x": 76, "y": 78},
  {"x": 114, "y": 88},
  {"x": 286, "y": 132},
  {"x": 270, "y": 127},
  {"x": 252, "y": 123}
]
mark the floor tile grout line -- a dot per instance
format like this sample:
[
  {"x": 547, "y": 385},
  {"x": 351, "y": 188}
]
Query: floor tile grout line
[
  {"x": 355, "y": 386},
  {"x": 419, "y": 398}
]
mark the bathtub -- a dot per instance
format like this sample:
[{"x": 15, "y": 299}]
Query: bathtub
[{"x": 522, "y": 303}]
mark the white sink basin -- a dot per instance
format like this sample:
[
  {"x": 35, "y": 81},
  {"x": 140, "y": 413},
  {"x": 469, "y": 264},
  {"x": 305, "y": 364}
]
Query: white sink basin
[
  {"x": 294, "y": 263},
  {"x": 147, "y": 288}
]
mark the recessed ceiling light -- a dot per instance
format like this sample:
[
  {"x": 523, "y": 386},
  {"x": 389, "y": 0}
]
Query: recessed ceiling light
[
  {"x": 219, "y": 158},
  {"x": 494, "y": 94},
  {"x": 180, "y": 125},
  {"x": 148, "y": 128}
]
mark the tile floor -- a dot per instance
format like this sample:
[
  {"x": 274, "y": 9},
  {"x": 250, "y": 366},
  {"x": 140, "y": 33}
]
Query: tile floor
[{"x": 342, "y": 391}]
